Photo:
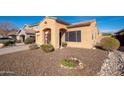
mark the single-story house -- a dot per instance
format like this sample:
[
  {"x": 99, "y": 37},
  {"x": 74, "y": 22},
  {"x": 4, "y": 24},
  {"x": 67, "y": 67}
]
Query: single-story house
[
  {"x": 55, "y": 31},
  {"x": 26, "y": 32},
  {"x": 12, "y": 34}
]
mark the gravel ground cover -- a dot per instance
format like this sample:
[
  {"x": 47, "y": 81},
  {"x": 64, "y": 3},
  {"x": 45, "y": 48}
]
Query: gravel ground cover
[{"x": 38, "y": 63}]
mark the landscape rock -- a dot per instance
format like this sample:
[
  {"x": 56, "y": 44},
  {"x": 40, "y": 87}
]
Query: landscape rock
[
  {"x": 1, "y": 45},
  {"x": 113, "y": 65}
]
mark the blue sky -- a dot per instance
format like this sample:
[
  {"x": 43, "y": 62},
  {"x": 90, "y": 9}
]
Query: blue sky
[{"x": 104, "y": 23}]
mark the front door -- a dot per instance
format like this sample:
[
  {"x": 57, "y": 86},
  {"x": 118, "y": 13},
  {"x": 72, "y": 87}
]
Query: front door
[
  {"x": 22, "y": 38},
  {"x": 60, "y": 39},
  {"x": 47, "y": 37}
]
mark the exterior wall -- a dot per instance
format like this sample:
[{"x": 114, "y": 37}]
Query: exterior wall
[
  {"x": 48, "y": 23},
  {"x": 85, "y": 40},
  {"x": 55, "y": 30},
  {"x": 57, "y": 34},
  {"x": 22, "y": 33},
  {"x": 89, "y": 34},
  {"x": 1, "y": 36},
  {"x": 86, "y": 37}
]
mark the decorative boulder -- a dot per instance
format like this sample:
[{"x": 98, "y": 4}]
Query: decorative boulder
[
  {"x": 1, "y": 45},
  {"x": 113, "y": 65}
]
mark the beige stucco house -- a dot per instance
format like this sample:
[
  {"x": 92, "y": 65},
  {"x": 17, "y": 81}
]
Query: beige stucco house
[{"x": 79, "y": 35}]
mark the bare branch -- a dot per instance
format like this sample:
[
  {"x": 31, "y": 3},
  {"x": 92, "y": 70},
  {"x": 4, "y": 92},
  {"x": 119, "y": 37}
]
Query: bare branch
[{"x": 7, "y": 26}]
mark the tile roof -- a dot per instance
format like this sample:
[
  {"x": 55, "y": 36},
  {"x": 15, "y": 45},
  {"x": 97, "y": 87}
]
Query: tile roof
[
  {"x": 13, "y": 32},
  {"x": 79, "y": 24},
  {"x": 3, "y": 33},
  {"x": 29, "y": 31},
  {"x": 59, "y": 21}
]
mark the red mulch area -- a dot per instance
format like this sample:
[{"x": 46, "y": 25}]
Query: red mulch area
[{"x": 36, "y": 62}]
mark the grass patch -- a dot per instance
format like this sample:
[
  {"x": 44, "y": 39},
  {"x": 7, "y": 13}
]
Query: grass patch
[{"x": 69, "y": 63}]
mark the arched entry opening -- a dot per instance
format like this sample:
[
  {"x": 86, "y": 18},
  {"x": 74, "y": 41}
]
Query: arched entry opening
[
  {"x": 61, "y": 36},
  {"x": 22, "y": 38},
  {"x": 47, "y": 36}
]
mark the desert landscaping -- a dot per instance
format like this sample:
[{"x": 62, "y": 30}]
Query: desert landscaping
[
  {"x": 36, "y": 62},
  {"x": 61, "y": 49}
]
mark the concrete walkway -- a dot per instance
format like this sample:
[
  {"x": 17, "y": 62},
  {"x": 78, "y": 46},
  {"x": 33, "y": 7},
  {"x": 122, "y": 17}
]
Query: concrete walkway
[{"x": 13, "y": 49}]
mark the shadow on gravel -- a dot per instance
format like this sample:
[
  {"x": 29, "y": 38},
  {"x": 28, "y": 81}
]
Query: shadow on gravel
[{"x": 121, "y": 49}]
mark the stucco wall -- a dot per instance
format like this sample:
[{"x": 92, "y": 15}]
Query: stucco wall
[
  {"x": 86, "y": 37},
  {"x": 86, "y": 34},
  {"x": 58, "y": 28},
  {"x": 50, "y": 24}
]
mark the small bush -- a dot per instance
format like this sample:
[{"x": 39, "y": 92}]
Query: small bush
[
  {"x": 29, "y": 40},
  {"x": 109, "y": 44},
  {"x": 64, "y": 44},
  {"x": 69, "y": 63},
  {"x": 18, "y": 41},
  {"x": 33, "y": 46},
  {"x": 47, "y": 48}
]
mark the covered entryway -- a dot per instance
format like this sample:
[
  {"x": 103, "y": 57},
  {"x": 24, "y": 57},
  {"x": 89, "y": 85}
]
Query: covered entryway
[
  {"x": 22, "y": 38},
  {"x": 61, "y": 36},
  {"x": 47, "y": 36}
]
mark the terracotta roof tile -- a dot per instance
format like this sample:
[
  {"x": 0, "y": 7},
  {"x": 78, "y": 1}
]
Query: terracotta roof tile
[
  {"x": 29, "y": 31},
  {"x": 80, "y": 24},
  {"x": 13, "y": 32},
  {"x": 3, "y": 32},
  {"x": 59, "y": 21}
]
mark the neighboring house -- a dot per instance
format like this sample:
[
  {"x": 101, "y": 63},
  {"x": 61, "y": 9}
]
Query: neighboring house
[
  {"x": 3, "y": 33},
  {"x": 26, "y": 32},
  {"x": 120, "y": 36},
  {"x": 12, "y": 34},
  {"x": 54, "y": 31}
]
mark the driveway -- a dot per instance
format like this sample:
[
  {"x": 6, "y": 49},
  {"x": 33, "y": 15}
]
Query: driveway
[{"x": 13, "y": 49}]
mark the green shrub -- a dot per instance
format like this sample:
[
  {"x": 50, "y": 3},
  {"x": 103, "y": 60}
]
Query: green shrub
[
  {"x": 109, "y": 43},
  {"x": 29, "y": 40},
  {"x": 106, "y": 34},
  {"x": 69, "y": 63},
  {"x": 47, "y": 48},
  {"x": 64, "y": 44},
  {"x": 7, "y": 42},
  {"x": 18, "y": 41},
  {"x": 33, "y": 46}
]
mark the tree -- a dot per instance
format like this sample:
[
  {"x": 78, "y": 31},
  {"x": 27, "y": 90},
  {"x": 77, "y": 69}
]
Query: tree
[{"x": 7, "y": 26}]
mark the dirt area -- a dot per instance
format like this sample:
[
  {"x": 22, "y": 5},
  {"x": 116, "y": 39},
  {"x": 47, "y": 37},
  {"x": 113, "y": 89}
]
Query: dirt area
[{"x": 36, "y": 62}]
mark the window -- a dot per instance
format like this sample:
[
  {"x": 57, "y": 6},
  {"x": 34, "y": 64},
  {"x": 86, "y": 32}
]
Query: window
[
  {"x": 78, "y": 36},
  {"x": 73, "y": 36},
  {"x": 66, "y": 36}
]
